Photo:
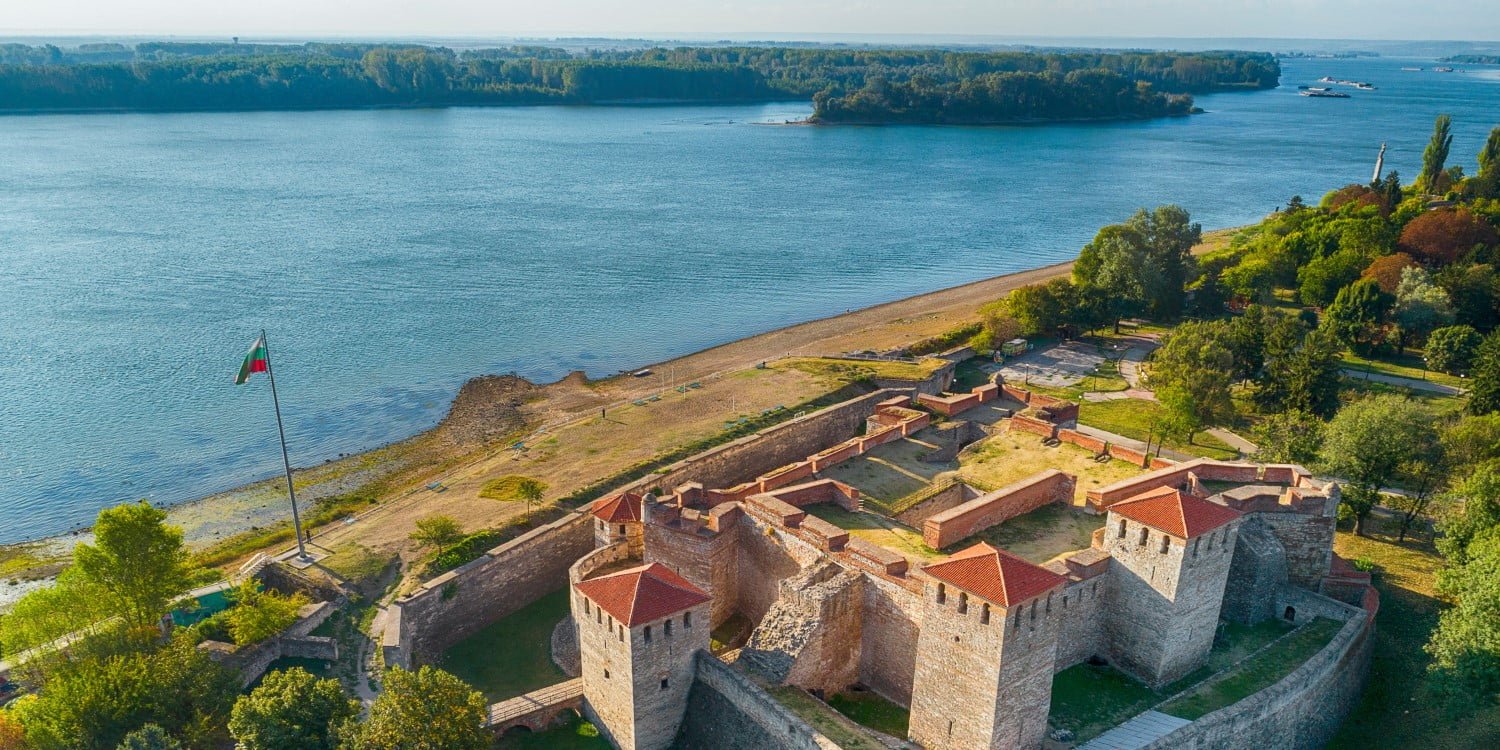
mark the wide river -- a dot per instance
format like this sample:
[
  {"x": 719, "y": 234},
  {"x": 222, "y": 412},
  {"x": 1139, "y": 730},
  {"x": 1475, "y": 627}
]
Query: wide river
[{"x": 393, "y": 254}]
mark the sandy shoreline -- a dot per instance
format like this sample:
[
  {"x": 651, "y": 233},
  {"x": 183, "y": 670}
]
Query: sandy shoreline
[{"x": 880, "y": 326}]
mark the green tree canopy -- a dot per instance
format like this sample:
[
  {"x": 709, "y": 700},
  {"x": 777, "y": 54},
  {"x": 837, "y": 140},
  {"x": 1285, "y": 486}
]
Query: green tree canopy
[
  {"x": 1301, "y": 372},
  {"x": 1466, "y": 644},
  {"x": 1289, "y": 437},
  {"x": 1190, "y": 374},
  {"x": 1044, "y": 309},
  {"x": 424, "y": 710},
  {"x": 1368, "y": 445},
  {"x": 437, "y": 531},
  {"x": 1421, "y": 305},
  {"x": 1436, "y": 155},
  {"x": 1451, "y": 349},
  {"x": 1484, "y": 394},
  {"x": 291, "y": 710},
  {"x": 149, "y": 737},
  {"x": 138, "y": 562},
  {"x": 1358, "y": 314}
]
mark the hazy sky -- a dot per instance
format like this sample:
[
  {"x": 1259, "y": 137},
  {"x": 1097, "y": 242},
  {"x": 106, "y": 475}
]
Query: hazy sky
[{"x": 1325, "y": 19}]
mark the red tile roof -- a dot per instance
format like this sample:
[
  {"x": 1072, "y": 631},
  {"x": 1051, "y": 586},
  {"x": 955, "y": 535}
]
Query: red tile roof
[
  {"x": 1177, "y": 513},
  {"x": 620, "y": 508},
  {"x": 995, "y": 575},
  {"x": 642, "y": 594}
]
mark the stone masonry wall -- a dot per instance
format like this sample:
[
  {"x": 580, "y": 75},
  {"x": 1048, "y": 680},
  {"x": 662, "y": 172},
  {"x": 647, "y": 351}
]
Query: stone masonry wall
[
  {"x": 459, "y": 603},
  {"x": 1081, "y": 616},
  {"x": 888, "y": 639},
  {"x": 1302, "y": 711},
  {"x": 709, "y": 561},
  {"x": 1256, "y": 572},
  {"x": 1308, "y": 541},
  {"x": 964, "y": 521},
  {"x": 944, "y": 498},
  {"x": 726, "y": 711},
  {"x": 811, "y": 635}
]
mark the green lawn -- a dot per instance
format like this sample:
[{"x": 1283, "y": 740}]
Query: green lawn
[
  {"x": 1134, "y": 418},
  {"x": 834, "y": 370},
  {"x": 1090, "y": 699},
  {"x": 1396, "y": 710},
  {"x": 1409, "y": 365},
  {"x": 873, "y": 711},
  {"x": 968, "y": 375},
  {"x": 821, "y": 717},
  {"x": 1353, "y": 389},
  {"x": 512, "y": 656},
  {"x": 1258, "y": 673},
  {"x": 574, "y": 734}
]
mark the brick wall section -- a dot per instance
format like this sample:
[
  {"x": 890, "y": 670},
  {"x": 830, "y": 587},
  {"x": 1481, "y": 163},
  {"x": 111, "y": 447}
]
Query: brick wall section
[
  {"x": 1035, "y": 426},
  {"x": 1302, "y": 711},
  {"x": 834, "y": 455},
  {"x": 784, "y": 476},
  {"x": 1081, "y": 440},
  {"x": 947, "y": 496},
  {"x": 879, "y": 438},
  {"x": 821, "y": 491},
  {"x": 459, "y": 603},
  {"x": 1174, "y": 475},
  {"x": 956, "y": 524},
  {"x": 949, "y": 404},
  {"x": 1131, "y": 456},
  {"x": 727, "y": 711}
]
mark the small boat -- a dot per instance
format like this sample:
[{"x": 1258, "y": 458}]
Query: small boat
[
  {"x": 1327, "y": 79},
  {"x": 1364, "y": 87},
  {"x": 1414, "y": 70},
  {"x": 1324, "y": 93},
  {"x": 1443, "y": 69}
]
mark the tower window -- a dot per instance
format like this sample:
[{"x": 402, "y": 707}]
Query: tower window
[
  {"x": 666, "y": 629},
  {"x": 622, "y": 633},
  {"x": 1210, "y": 542},
  {"x": 663, "y": 683},
  {"x": 622, "y": 528},
  {"x": 1195, "y": 546},
  {"x": 1122, "y": 528},
  {"x": 687, "y": 619},
  {"x": 1165, "y": 543},
  {"x": 1018, "y": 619},
  {"x": 586, "y": 609},
  {"x": 942, "y": 594},
  {"x": 1033, "y": 610},
  {"x": 648, "y": 633},
  {"x": 606, "y": 674},
  {"x": 598, "y": 617},
  {"x": 963, "y": 603},
  {"x": 984, "y": 615},
  {"x": 1049, "y": 602},
  {"x": 1145, "y": 535}
]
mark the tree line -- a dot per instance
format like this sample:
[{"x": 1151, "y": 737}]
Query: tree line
[{"x": 212, "y": 76}]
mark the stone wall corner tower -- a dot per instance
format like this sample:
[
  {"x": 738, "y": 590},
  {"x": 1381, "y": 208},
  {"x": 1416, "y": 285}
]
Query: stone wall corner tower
[
  {"x": 985, "y": 652},
  {"x": 638, "y": 633},
  {"x": 1169, "y": 558}
]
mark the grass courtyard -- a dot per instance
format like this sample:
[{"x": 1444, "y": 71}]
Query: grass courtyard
[
  {"x": 576, "y": 733},
  {"x": 1010, "y": 457},
  {"x": 1089, "y": 699},
  {"x": 871, "y": 710},
  {"x": 512, "y": 656}
]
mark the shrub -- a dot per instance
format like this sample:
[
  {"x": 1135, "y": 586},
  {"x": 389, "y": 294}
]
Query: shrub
[{"x": 1452, "y": 349}]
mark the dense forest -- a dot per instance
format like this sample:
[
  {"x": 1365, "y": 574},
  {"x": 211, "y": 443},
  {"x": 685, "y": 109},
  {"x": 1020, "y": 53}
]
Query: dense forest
[
  {"x": 1474, "y": 59},
  {"x": 920, "y": 85}
]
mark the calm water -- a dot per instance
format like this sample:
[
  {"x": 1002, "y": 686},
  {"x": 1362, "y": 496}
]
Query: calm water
[{"x": 393, "y": 254}]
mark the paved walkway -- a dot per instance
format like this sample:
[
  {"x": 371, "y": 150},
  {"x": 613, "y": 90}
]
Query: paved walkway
[
  {"x": 1136, "y": 733},
  {"x": 1412, "y": 383},
  {"x": 1245, "y": 447},
  {"x": 1110, "y": 437}
]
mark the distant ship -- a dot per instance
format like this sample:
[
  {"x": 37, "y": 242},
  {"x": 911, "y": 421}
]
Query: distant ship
[
  {"x": 1443, "y": 69},
  {"x": 1413, "y": 69},
  {"x": 1325, "y": 93}
]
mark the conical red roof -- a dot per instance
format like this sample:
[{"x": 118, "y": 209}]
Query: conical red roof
[
  {"x": 620, "y": 508},
  {"x": 995, "y": 575},
  {"x": 1177, "y": 513},
  {"x": 642, "y": 594}
]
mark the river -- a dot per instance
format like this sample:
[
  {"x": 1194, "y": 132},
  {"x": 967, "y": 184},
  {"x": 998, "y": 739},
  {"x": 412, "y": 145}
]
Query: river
[{"x": 392, "y": 254}]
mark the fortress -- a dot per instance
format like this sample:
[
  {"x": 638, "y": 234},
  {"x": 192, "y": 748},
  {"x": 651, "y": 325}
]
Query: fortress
[{"x": 969, "y": 642}]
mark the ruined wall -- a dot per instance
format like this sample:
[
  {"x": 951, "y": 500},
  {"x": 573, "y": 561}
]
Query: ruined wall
[
  {"x": 888, "y": 639},
  {"x": 726, "y": 711},
  {"x": 811, "y": 635},
  {"x": 765, "y": 555},
  {"x": 1302, "y": 711},
  {"x": 459, "y": 603},
  {"x": 1308, "y": 542},
  {"x": 959, "y": 523}
]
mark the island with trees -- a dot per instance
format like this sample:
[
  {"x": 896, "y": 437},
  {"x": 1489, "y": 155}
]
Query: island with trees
[{"x": 919, "y": 85}]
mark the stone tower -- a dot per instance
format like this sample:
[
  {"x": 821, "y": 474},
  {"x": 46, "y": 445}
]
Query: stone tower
[
  {"x": 1170, "y": 554},
  {"x": 638, "y": 631},
  {"x": 619, "y": 518},
  {"x": 985, "y": 652}
]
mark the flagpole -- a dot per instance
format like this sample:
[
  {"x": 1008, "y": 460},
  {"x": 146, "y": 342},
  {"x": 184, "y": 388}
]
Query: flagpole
[{"x": 285, "y": 460}]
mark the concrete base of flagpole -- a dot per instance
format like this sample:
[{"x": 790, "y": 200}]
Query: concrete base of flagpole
[{"x": 291, "y": 558}]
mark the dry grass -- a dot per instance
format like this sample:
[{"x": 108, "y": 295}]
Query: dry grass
[
  {"x": 891, "y": 471},
  {"x": 1010, "y": 457},
  {"x": 839, "y": 371}
]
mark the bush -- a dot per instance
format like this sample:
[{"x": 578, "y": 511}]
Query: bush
[
  {"x": 945, "y": 341},
  {"x": 1452, "y": 349},
  {"x": 258, "y": 615}
]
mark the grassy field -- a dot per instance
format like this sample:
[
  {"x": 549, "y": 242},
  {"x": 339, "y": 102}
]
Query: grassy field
[
  {"x": 839, "y": 371},
  {"x": 1134, "y": 418},
  {"x": 871, "y": 710},
  {"x": 1353, "y": 389},
  {"x": 1258, "y": 673},
  {"x": 1409, "y": 365},
  {"x": 574, "y": 734},
  {"x": 1396, "y": 710},
  {"x": 1040, "y": 535},
  {"x": 512, "y": 656},
  {"x": 1090, "y": 699},
  {"x": 1004, "y": 459},
  {"x": 876, "y": 530},
  {"x": 822, "y": 718},
  {"x": 505, "y": 489}
]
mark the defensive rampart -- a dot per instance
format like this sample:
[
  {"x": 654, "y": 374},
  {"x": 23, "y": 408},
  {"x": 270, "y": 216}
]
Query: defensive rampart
[
  {"x": 728, "y": 711},
  {"x": 959, "y": 523}
]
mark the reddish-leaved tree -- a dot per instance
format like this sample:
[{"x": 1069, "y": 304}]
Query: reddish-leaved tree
[
  {"x": 1386, "y": 270},
  {"x": 1445, "y": 235}
]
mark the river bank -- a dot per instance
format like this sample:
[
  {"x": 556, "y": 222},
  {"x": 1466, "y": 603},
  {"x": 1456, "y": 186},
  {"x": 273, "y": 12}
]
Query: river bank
[{"x": 491, "y": 414}]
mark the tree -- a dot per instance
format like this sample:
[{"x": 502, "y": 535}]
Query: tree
[
  {"x": 291, "y": 710},
  {"x": 1434, "y": 156},
  {"x": 1112, "y": 268},
  {"x": 1386, "y": 270},
  {"x": 149, "y": 737},
  {"x": 1466, "y": 644},
  {"x": 258, "y": 615},
  {"x": 1421, "y": 306},
  {"x": 531, "y": 491},
  {"x": 995, "y": 328},
  {"x": 1367, "y": 445},
  {"x": 1189, "y": 374},
  {"x": 1487, "y": 182},
  {"x": 1168, "y": 234},
  {"x": 1451, "y": 349},
  {"x": 1476, "y": 510},
  {"x": 1289, "y": 437},
  {"x": 424, "y": 710},
  {"x": 1475, "y": 292},
  {"x": 1484, "y": 394},
  {"x": 12, "y": 735},
  {"x": 1245, "y": 337},
  {"x": 1321, "y": 279},
  {"x": 1444, "y": 236},
  {"x": 1301, "y": 374},
  {"x": 1472, "y": 441},
  {"x": 111, "y": 685},
  {"x": 1357, "y": 315},
  {"x": 437, "y": 531},
  {"x": 1044, "y": 309},
  {"x": 42, "y": 616},
  {"x": 1390, "y": 191},
  {"x": 138, "y": 562}
]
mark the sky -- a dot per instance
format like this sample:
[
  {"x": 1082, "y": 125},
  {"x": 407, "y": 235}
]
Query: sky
[{"x": 688, "y": 19}]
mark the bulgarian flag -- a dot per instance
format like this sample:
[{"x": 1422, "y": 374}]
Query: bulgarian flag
[{"x": 255, "y": 361}]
